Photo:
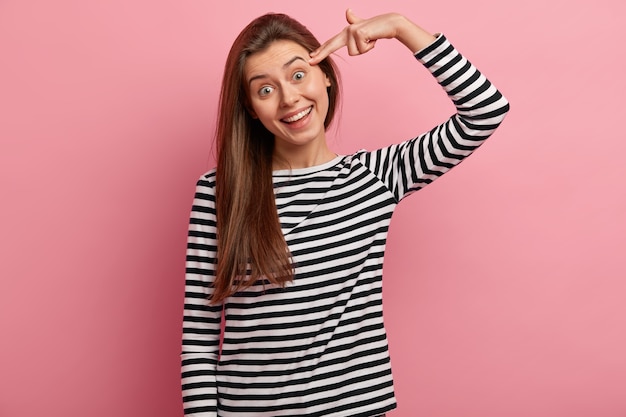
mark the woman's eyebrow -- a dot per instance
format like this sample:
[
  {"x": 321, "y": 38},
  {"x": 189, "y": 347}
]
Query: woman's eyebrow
[
  {"x": 292, "y": 60},
  {"x": 286, "y": 65}
]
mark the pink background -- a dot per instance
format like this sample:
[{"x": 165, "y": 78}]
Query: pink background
[{"x": 505, "y": 289}]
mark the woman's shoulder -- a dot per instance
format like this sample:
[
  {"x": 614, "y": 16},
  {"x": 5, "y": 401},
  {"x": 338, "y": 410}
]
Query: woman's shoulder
[{"x": 207, "y": 180}]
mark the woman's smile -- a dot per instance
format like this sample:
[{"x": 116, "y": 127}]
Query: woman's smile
[{"x": 298, "y": 116}]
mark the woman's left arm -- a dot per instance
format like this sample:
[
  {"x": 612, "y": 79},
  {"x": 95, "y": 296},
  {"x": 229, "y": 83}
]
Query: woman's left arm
[{"x": 409, "y": 166}]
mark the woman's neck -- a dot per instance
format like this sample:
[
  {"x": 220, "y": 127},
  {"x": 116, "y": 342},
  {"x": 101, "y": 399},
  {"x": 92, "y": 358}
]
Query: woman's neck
[{"x": 301, "y": 157}]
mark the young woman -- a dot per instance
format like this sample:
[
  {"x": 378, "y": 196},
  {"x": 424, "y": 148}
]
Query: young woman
[{"x": 287, "y": 238}]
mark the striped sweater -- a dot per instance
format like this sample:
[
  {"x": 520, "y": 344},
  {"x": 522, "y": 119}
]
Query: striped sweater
[{"x": 318, "y": 346}]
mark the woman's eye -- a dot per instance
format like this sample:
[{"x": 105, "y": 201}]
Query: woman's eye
[
  {"x": 265, "y": 90},
  {"x": 298, "y": 75}
]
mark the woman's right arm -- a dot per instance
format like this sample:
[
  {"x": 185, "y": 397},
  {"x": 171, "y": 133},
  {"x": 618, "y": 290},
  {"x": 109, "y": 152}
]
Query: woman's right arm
[{"x": 201, "y": 321}]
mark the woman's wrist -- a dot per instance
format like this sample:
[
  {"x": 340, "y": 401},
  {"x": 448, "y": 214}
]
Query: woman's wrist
[{"x": 412, "y": 36}]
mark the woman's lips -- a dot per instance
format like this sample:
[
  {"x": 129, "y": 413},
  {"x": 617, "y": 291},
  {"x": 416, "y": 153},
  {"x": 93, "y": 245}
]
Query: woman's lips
[{"x": 297, "y": 116}]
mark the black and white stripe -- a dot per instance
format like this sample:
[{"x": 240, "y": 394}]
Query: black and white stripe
[{"x": 318, "y": 347}]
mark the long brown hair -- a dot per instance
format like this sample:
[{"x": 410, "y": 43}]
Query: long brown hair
[{"x": 250, "y": 243}]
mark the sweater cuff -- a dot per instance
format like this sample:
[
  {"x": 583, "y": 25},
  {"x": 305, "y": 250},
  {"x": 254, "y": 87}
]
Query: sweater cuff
[{"x": 439, "y": 44}]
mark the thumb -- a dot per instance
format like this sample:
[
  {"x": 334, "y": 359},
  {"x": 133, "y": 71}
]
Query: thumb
[{"x": 351, "y": 17}]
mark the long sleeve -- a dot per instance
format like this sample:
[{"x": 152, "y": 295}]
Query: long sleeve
[
  {"x": 409, "y": 166},
  {"x": 201, "y": 321}
]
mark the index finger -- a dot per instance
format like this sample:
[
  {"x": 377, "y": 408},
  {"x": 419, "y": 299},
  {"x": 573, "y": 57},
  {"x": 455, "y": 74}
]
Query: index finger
[{"x": 336, "y": 42}]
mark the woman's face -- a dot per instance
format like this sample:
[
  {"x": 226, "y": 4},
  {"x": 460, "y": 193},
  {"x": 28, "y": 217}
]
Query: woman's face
[{"x": 288, "y": 95}]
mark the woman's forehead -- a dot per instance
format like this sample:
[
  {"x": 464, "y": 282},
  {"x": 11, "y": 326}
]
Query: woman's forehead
[{"x": 278, "y": 56}]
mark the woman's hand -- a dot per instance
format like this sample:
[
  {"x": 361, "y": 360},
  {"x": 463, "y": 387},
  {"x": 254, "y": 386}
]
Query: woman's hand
[{"x": 360, "y": 35}]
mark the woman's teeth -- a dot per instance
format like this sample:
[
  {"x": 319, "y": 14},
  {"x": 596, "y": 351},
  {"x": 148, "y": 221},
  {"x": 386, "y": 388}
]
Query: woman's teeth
[{"x": 298, "y": 116}]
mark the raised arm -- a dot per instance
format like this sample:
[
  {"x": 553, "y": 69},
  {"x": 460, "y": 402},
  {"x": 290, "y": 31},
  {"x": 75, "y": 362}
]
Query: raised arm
[{"x": 410, "y": 165}]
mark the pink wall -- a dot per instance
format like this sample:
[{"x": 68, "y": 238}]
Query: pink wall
[{"x": 505, "y": 281}]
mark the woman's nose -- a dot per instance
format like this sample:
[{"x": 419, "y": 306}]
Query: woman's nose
[{"x": 290, "y": 95}]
